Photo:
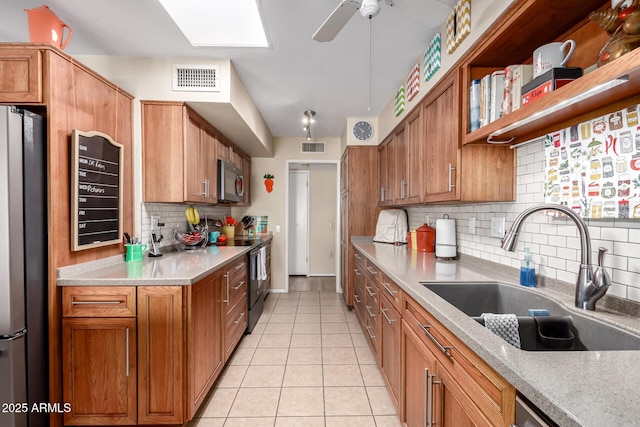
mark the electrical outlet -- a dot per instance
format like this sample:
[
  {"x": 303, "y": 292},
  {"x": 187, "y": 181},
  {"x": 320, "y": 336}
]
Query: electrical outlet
[
  {"x": 472, "y": 225},
  {"x": 155, "y": 223},
  {"x": 428, "y": 219},
  {"x": 277, "y": 228},
  {"x": 497, "y": 227}
]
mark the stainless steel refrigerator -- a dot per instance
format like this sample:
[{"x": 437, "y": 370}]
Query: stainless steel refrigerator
[{"x": 24, "y": 359}]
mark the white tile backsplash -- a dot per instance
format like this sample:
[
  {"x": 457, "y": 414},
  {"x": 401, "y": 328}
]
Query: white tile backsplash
[
  {"x": 554, "y": 242},
  {"x": 172, "y": 215}
]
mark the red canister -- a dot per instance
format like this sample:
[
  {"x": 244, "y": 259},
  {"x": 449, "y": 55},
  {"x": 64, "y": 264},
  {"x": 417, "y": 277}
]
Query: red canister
[{"x": 426, "y": 238}]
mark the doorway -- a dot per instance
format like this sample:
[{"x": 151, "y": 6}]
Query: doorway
[
  {"x": 312, "y": 222},
  {"x": 298, "y": 223}
]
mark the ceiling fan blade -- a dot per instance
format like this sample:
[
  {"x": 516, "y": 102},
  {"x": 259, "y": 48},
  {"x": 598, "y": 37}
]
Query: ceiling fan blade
[{"x": 338, "y": 19}]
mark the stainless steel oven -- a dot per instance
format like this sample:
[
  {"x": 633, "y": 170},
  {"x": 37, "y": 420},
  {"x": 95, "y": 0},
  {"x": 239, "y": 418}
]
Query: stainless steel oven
[
  {"x": 258, "y": 280},
  {"x": 528, "y": 415}
]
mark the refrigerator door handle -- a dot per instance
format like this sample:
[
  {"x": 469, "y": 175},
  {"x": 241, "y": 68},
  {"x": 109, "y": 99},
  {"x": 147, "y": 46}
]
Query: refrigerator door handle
[{"x": 15, "y": 336}]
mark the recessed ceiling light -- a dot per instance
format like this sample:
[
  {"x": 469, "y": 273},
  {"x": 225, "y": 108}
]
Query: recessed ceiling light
[{"x": 235, "y": 23}]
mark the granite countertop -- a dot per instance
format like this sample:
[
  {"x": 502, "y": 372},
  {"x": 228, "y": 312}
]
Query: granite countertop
[
  {"x": 171, "y": 269},
  {"x": 574, "y": 388}
]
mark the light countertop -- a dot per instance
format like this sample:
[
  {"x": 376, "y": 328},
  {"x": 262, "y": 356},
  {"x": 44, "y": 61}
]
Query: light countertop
[
  {"x": 171, "y": 269},
  {"x": 574, "y": 388}
]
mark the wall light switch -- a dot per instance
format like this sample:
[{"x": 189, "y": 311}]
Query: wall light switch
[
  {"x": 497, "y": 227},
  {"x": 472, "y": 225},
  {"x": 155, "y": 223},
  {"x": 277, "y": 228}
]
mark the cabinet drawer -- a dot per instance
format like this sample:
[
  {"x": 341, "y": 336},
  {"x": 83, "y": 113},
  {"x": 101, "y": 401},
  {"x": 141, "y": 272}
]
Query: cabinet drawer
[
  {"x": 493, "y": 395},
  {"x": 391, "y": 291},
  {"x": 99, "y": 301},
  {"x": 373, "y": 271},
  {"x": 235, "y": 325},
  {"x": 238, "y": 268},
  {"x": 236, "y": 289}
]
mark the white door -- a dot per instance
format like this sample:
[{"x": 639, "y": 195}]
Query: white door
[{"x": 298, "y": 223}]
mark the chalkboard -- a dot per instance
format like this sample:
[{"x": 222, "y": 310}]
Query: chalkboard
[{"x": 96, "y": 190}]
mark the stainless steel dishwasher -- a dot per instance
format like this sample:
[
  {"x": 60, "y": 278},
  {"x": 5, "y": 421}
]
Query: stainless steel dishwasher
[{"x": 257, "y": 282}]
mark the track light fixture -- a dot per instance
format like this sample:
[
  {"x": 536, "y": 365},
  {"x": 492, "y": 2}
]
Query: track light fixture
[{"x": 307, "y": 120}]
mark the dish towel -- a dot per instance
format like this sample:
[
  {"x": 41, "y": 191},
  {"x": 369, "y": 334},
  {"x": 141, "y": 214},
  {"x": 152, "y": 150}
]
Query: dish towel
[
  {"x": 503, "y": 325},
  {"x": 261, "y": 270}
]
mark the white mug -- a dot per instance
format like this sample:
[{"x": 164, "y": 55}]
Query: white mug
[{"x": 552, "y": 55}]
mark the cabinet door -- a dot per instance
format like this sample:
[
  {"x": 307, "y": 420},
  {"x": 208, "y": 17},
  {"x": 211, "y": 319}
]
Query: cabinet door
[
  {"x": 161, "y": 359},
  {"x": 194, "y": 181},
  {"x": 417, "y": 366},
  {"x": 209, "y": 164},
  {"x": 21, "y": 75},
  {"x": 442, "y": 152},
  {"x": 99, "y": 370},
  {"x": 413, "y": 176},
  {"x": 387, "y": 172},
  {"x": 391, "y": 347},
  {"x": 204, "y": 337},
  {"x": 399, "y": 183}
]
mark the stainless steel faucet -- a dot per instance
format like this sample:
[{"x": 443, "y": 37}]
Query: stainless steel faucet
[{"x": 590, "y": 286}]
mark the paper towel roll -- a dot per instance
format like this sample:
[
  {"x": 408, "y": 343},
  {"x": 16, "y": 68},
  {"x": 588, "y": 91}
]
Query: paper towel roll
[{"x": 446, "y": 238}]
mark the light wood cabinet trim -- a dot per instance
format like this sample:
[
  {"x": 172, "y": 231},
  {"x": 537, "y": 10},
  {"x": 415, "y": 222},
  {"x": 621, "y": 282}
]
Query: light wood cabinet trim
[
  {"x": 20, "y": 76},
  {"x": 235, "y": 325},
  {"x": 97, "y": 301},
  {"x": 161, "y": 354},
  {"x": 99, "y": 370}
]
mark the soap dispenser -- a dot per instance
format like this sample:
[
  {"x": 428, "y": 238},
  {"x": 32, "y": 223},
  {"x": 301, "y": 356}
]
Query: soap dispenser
[{"x": 527, "y": 270}]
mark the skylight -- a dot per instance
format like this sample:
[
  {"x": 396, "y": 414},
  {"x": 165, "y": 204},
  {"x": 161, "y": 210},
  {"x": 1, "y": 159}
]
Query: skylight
[{"x": 228, "y": 23}]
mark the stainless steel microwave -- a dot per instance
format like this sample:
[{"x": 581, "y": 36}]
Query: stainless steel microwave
[{"x": 230, "y": 182}]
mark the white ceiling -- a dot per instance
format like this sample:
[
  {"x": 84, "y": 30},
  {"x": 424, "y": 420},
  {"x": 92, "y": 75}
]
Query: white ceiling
[{"x": 294, "y": 75}]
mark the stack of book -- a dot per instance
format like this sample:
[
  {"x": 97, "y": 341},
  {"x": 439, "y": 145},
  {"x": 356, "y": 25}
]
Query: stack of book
[{"x": 497, "y": 94}]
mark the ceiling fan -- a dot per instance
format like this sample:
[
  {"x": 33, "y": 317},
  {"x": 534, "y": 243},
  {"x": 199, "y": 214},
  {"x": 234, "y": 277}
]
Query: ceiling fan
[{"x": 430, "y": 12}]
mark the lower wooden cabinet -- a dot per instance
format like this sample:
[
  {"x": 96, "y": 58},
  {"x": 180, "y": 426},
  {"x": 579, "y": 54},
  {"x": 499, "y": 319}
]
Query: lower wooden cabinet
[
  {"x": 391, "y": 341},
  {"x": 149, "y": 355},
  {"x": 431, "y": 376},
  {"x": 99, "y": 367},
  {"x": 161, "y": 358}
]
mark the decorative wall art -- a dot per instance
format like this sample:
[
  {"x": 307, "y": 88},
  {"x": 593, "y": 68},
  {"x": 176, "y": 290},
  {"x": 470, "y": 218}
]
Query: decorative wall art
[
  {"x": 432, "y": 57},
  {"x": 413, "y": 82},
  {"x": 268, "y": 182},
  {"x": 458, "y": 24},
  {"x": 399, "y": 101},
  {"x": 594, "y": 167}
]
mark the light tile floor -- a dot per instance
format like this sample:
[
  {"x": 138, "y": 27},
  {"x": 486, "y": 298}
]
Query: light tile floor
[{"x": 307, "y": 363}]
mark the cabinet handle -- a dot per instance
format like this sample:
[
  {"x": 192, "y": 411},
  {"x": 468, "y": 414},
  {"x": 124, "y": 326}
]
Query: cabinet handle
[
  {"x": 388, "y": 289},
  {"x": 239, "y": 266},
  {"x": 451, "y": 184},
  {"x": 373, "y": 337},
  {"x": 371, "y": 294},
  {"x": 239, "y": 318},
  {"x": 445, "y": 350},
  {"x": 358, "y": 256},
  {"x": 96, "y": 302},
  {"x": 429, "y": 382},
  {"x": 357, "y": 272},
  {"x": 368, "y": 307},
  {"x": 384, "y": 313},
  {"x": 227, "y": 299},
  {"x": 372, "y": 271},
  {"x": 127, "y": 350},
  {"x": 382, "y": 195},
  {"x": 427, "y": 407},
  {"x": 206, "y": 188},
  {"x": 235, "y": 288},
  {"x": 402, "y": 189},
  {"x": 355, "y": 297}
]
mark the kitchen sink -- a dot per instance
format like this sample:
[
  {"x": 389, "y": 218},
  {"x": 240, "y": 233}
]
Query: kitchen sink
[{"x": 589, "y": 334}]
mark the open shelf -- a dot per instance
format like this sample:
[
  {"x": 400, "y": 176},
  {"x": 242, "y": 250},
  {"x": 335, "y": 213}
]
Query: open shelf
[{"x": 530, "y": 120}]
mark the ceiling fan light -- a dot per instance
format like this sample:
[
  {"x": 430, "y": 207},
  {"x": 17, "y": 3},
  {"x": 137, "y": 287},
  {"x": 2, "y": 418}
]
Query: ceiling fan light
[{"x": 369, "y": 8}]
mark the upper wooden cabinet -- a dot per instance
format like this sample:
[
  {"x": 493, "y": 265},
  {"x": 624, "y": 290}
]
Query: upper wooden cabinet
[
  {"x": 21, "y": 71},
  {"x": 178, "y": 154},
  {"x": 512, "y": 40},
  {"x": 180, "y": 150},
  {"x": 430, "y": 158}
]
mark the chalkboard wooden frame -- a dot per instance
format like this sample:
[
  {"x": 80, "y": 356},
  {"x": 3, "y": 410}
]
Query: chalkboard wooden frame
[{"x": 96, "y": 190}]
